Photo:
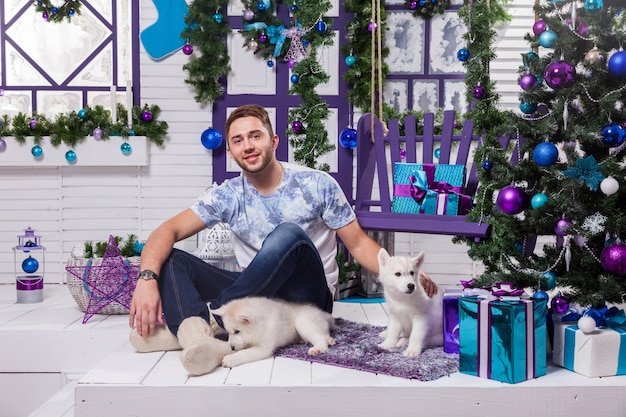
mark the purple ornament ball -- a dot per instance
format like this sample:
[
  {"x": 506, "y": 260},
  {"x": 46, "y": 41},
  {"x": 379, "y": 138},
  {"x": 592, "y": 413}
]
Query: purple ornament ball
[
  {"x": 32, "y": 124},
  {"x": 146, "y": 116},
  {"x": 296, "y": 126},
  {"x": 560, "y": 74},
  {"x": 613, "y": 258},
  {"x": 413, "y": 5},
  {"x": 97, "y": 133},
  {"x": 262, "y": 37},
  {"x": 3, "y": 145},
  {"x": 187, "y": 49},
  {"x": 528, "y": 81},
  {"x": 539, "y": 27},
  {"x": 248, "y": 14},
  {"x": 291, "y": 63},
  {"x": 511, "y": 200},
  {"x": 561, "y": 227},
  {"x": 479, "y": 92},
  {"x": 559, "y": 304}
]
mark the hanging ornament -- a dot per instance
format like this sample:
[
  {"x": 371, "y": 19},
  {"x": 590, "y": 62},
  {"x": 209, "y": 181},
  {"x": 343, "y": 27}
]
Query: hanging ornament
[
  {"x": 541, "y": 295},
  {"x": 270, "y": 63},
  {"x": 126, "y": 148},
  {"x": 528, "y": 81},
  {"x": 97, "y": 133},
  {"x": 261, "y": 6},
  {"x": 293, "y": 8},
  {"x": 82, "y": 113},
  {"x": 463, "y": 55},
  {"x": 252, "y": 45},
  {"x": 187, "y": 49},
  {"x": 594, "y": 56},
  {"x": 487, "y": 165},
  {"x": 612, "y": 135},
  {"x": 263, "y": 37},
  {"x": 609, "y": 186},
  {"x": 347, "y": 138},
  {"x": 561, "y": 227},
  {"x": 547, "y": 38},
  {"x": 560, "y": 74},
  {"x": 479, "y": 92},
  {"x": 593, "y": 5},
  {"x": 586, "y": 324},
  {"x": 294, "y": 78},
  {"x": 538, "y": 200},
  {"x": 528, "y": 57},
  {"x": 320, "y": 26},
  {"x": 617, "y": 64},
  {"x": 248, "y": 14},
  {"x": 32, "y": 124},
  {"x": 211, "y": 138},
  {"x": 559, "y": 304},
  {"x": 297, "y": 126},
  {"x": 545, "y": 154},
  {"x": 413, "y": 5},
  {"x": 30, "y": 265},
  {"x": 613, "y": 258},
  {"x": 146, "y": 116},
  {"x": 539, "y": 27},
  {"x": 350, "y": 60},
  {"x": 3, "y": 145},
  {"x": 550, "y": 278},
  {"x": 528, "y": 108},
  {"x": 437, "y": 153},
  {"x": 217, "y": 18},
  {"x": 36, "y": 151},
  {"x": 70, "y": 156},
  {"x": 511, "y": 200},
  {"x": 371, "y": 26}
]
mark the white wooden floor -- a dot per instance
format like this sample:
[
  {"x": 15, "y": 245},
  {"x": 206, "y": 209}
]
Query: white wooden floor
[{"x": 125, "y": 383}]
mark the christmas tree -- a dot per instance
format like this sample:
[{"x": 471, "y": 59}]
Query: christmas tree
[{"x": 567, "y": 183}]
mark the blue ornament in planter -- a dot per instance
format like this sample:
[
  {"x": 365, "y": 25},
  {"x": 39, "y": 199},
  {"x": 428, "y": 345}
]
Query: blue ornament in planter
[{"x": 30, "y": 265}]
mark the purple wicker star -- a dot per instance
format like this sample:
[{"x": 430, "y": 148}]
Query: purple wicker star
[{"x": 111, "y": 281}]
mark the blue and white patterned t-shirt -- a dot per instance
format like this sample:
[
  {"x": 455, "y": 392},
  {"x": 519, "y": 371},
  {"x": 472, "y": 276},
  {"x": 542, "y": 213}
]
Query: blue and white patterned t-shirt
[{"x": 309, "y": 198}]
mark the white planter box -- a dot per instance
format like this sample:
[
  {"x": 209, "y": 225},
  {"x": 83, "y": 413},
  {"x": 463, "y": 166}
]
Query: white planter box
[{"x": 90, "y": 152}]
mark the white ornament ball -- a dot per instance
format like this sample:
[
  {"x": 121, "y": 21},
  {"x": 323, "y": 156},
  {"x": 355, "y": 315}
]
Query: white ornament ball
[
  {"x": 609, "y": 186},
  {"x": 586, "y": 324}
]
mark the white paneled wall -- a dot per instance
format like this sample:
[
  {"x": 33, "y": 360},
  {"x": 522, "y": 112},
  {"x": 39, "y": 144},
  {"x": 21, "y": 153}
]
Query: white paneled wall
[{"x": 68, "y": 205}]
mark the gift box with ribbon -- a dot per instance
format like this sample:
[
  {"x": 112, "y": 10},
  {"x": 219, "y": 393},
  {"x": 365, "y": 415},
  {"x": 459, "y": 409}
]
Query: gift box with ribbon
[
  {"x": 429, "y": 189},
  {"x": 599, "y": 353},
  {"x": 502, "y": 336}
]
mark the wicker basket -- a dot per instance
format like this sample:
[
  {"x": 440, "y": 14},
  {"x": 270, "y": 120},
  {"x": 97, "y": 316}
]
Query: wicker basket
[{"x": 80, "y": 291}]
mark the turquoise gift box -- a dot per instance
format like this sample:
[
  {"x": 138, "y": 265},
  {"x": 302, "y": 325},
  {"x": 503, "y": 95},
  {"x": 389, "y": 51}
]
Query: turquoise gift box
[
  {"x": 503, "y": 340},
  {"x": 429, "y": 189},
  {"x": 599, "y": 353}
]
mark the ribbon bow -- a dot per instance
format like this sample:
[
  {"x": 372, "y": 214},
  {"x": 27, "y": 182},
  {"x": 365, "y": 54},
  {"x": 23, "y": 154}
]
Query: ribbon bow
[
  {"x": 605, "y": 316},
  {"x": 277, "y": 38},
  {"x": 505, "y": 289},
  {"x": 420, "y": 187}
]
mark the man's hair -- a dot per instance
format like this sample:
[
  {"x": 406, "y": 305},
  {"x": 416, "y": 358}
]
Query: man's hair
[{"x": 250, "y": 110}]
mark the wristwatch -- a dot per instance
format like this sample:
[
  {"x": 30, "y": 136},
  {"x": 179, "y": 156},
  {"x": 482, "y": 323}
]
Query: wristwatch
[{"x": 147, "y": 275}]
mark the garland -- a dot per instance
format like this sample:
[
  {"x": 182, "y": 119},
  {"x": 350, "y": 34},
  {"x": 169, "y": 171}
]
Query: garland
[
  {"x": 57, "y": 14},
  {"x": 426, "y": 9},
  {"x": 74, "y": 127},
  {"x": 295, "y": 43}
]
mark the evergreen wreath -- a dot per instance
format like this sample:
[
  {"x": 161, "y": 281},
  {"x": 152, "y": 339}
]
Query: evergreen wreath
[
  {"x": 57, "y": 14},
  {"x": 426, "y": 9}
]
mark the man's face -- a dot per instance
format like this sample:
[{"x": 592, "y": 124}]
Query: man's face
[{"x": 250, "y": 145}]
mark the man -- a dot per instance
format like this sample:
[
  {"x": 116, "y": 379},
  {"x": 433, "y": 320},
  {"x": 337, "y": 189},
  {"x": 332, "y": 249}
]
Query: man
[{"x": 285, "y": 219}]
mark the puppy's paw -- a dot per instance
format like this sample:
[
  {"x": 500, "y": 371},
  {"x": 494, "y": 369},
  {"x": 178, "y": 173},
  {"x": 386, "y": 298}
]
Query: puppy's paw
[
  {"x": 316, "y": 350},
  {"x": 387, "y": 345},
  {"x": 230, "y": 361},
  {"x": 412, "y": 352},
  {"x": 331, "y": 341},
  {"x": 403, "y": 341},
  {"x": 383, "y": 334}
]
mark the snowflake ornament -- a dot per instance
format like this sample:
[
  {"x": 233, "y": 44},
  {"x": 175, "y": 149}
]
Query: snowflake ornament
[{"x": 594, "y": 224}]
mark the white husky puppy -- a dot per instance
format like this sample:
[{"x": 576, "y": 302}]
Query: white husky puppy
[
  {"x": 257, "y": 326},
  {"x": 414, "y": 318}
]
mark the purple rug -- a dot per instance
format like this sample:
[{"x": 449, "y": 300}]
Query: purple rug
[{"x": 357, "y": 348}]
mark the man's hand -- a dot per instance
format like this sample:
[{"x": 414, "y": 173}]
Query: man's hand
[
  {"x": 145, "y": 307},
  {"x": 429, "y": 285}
]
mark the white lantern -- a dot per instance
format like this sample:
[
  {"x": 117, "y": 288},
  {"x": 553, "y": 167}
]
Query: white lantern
[{"x": 215, "y": 243}]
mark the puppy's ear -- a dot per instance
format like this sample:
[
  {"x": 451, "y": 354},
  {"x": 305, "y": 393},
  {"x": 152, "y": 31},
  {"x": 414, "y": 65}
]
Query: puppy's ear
[
  {"x": 245, "y": 318},
  {"x": 383, "y": 257},
  {"x": 418, "y": 260},
  {"x": 219, "y": 312}
]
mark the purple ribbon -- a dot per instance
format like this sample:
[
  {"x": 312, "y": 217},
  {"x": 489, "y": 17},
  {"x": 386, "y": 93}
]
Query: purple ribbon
[{"x": 505, "y": 289}]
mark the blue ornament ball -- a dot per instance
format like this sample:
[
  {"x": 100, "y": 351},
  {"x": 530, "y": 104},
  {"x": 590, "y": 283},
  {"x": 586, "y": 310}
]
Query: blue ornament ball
[
  {"x": 270, "y": 63},
  {"x": 70, "y": 156},
  {"x": 82, "y": 113},
  {"x": 547, "y": 38},
  {"x": 261, "y": 6},
  {"x": 126, "y": 148},
  {"x": 295, "y": 78},
  {"x": 593, "y": 5},
  {"x": 293, "y": 8},
  {"x": 538, "y": 200},
  {"x": 550, "y": 279},
  {"x": 528, "y": 108},
  {"x": 545, "y": 154},
  {"x": 463, "y": 55},
  {"x": 36, "y": 151},
  {"x": 218, "y": 18},
  {"x": 55, "y": 10},
  {"x": 617, "y": 64},
  {"x": 437, "y": 153},
  {"x": 347, "y": 138},
  {"x": 321, "y": 26},
  {"x": 541, "y": 295},
  {"x": 613, "y": 135},
  {"x": 30, "y": 265},
  {"x": 211, "y": 138},
  {"x": 350, "y": 60},
  {"x": 487, "y": 165}
]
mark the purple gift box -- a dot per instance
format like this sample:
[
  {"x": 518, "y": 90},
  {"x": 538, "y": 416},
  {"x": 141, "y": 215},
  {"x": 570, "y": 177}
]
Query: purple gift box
[{"x": 451, "y": 320}]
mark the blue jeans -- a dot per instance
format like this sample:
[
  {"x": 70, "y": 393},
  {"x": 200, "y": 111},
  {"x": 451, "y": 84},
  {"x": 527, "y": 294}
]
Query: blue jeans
[{"x": 287, "y": 266}]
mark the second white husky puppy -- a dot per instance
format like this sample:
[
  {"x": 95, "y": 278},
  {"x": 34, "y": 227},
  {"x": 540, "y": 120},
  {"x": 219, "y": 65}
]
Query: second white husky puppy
[
  {"x": 257, "y": 326},
  {"x": 415, "y": 319}
]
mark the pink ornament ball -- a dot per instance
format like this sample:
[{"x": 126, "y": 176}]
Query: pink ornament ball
[
  {"x": 613, "y": 258},
  {"x": 539, "y": 27},
  {"x": 561, "y": 227},
  {"x": 511, "y": 200}
]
